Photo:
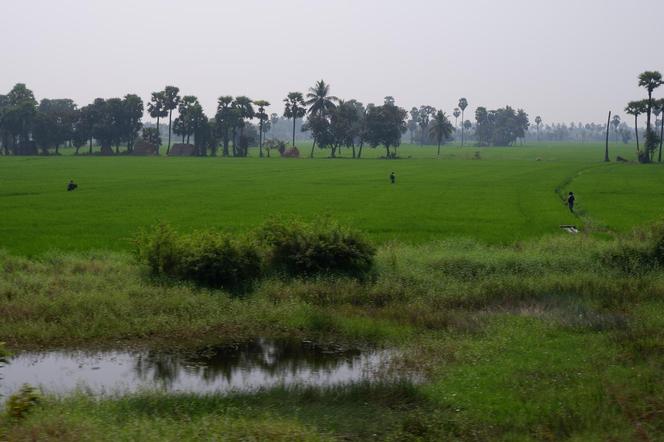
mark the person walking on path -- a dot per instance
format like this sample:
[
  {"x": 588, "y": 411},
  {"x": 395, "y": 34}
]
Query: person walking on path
[{"x": 570, "y": 201}]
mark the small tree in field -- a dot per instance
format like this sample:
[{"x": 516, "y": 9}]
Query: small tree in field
[
  {"x": 442, "y": 129},
  {"x": 294, "y": 108}
]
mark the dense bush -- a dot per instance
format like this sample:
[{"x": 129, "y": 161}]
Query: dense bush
[
  {"x": 207, "y": 258},
  {"x": 22, "y": 402},
  {"x": 299, "y": 249},
  {"x": 641, "y": 252}
]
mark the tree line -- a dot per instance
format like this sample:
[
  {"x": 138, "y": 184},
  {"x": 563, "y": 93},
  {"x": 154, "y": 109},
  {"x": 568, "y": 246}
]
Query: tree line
[{"x": 28, "y": 127}]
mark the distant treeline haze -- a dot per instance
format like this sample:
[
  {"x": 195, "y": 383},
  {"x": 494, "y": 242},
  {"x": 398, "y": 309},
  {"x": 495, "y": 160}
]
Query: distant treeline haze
[{"x": 115, "y": 126}]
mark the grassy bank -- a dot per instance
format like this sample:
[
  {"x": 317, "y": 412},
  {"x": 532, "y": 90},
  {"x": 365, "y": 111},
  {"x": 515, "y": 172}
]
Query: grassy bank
[{"x": 541, "y": 340}]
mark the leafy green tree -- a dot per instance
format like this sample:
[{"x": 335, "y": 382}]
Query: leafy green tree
[
  {"x": 262, "y": 120},
  {"x": 484, "y": 126},
  {"x": 412, "y": 123},
  {"x": 424, "y": 116},
  {"x": 190, "y": 118},
  {"x": 384, "y": 126},
  {"x": 151, "y": 135},
  {"x": 463, "y": 104},
  {"x": 88, "y": 117},
  {"x": 171, "y": 101},
  {"x": 116, "y": 110},
  {"x": 157, "y": 109},
  {"x": 19, "y": 115},
  {"x": 659, "y": 109},
  {"x": 442, "y": 129},
  {"x": 294, "y": 108}
]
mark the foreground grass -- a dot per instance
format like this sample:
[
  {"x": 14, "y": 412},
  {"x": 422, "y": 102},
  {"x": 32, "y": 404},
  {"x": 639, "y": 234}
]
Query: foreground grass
[
  {"x": 541, "y": 340},
  {"x": 506, "y": 196}
]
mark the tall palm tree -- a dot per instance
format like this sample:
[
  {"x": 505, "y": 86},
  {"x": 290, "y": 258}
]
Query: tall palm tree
[
  {"x": 245, "y": 111},
  {"x": 463, "y": 104},
  {"x": 157, "y": 109},
  {"x": 171, "y": 101},
  {"x": 294, "y": 108},
  {"x": 441, "y": 129},
  {"x": 615, "y": 122},
  {"x": 636, "y": 108},
  {"x": 538, "y": 123},
  {"x": 319, "y": 100},
  {"x": 650, "y": 80},
  {"x": 456, "y": 114},
  {"x": 262, "y": 118}
]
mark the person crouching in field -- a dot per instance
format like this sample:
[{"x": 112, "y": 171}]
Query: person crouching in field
[
  {"x": 570, "y": 202},
  {"x": 71, "y": 186},
  {"x": 393, "y": 178}
]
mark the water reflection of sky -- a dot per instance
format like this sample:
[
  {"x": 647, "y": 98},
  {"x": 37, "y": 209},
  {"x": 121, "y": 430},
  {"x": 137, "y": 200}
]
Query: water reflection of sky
[{"x": 243, "y": 367}]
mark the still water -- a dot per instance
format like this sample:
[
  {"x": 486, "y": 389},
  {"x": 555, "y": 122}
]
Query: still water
[{"x": 242, "y": 367}]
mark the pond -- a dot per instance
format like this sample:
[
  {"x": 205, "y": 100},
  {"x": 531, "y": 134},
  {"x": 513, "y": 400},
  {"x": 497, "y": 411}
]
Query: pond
[{"x": 247, "y": 367}]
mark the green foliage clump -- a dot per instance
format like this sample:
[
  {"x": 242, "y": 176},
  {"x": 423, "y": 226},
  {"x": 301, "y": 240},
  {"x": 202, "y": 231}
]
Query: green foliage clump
[
  {"x": 298, "y": 249},
  {"x": 22, "y": 402},
  {"x": 210, "y": 259},
  {"x": 642, "y": 252}
]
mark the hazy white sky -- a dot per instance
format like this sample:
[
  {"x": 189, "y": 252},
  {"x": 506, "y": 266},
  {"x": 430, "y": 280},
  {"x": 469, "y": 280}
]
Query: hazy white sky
[{"x": 566, "y": 60}]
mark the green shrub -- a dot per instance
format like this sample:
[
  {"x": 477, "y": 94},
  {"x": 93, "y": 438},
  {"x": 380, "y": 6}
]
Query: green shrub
[
  {"x": 215, "y": 260},
  {"x": 20, "y": 403},
  {"x": 641, "y": 252},
  {"x": 210, "y": 259},
  {"x": 299, "y": 249}
]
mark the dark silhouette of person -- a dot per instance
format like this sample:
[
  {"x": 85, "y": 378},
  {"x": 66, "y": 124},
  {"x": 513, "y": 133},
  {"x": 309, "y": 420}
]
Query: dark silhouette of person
[
  {"x": 71, "y": 186},
  {"x": 570, "y": 202},
  {"x": 393, "y": 178}
]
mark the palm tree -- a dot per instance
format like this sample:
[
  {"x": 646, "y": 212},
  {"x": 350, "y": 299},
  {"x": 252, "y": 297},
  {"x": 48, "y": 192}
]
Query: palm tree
[
  {"x": 156, "y": 109},
  {"x": 463, "y": 104},
  {"x": 659, "y": 106},
  {"x": 538, "y": 123},
  {"x": 320, "y": 103},
  {"x": 294, "y": 108},
  {"x": 442, "y": 128},
  {"x": 615, "y": 122},
  {"x": 456, "y": 114},
  {"x": 650, "y": 80},
  {"x": 171, "y": 101},
  {"x": 636, "y": 108},
  {"x": 245, "y": 111},
  {"x": 319, "y": 100},
  {"x": 262, "y": 118}
]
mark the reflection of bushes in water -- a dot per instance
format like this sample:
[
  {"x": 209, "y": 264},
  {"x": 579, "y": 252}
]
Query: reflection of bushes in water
[{"x": 273, "y": 358}]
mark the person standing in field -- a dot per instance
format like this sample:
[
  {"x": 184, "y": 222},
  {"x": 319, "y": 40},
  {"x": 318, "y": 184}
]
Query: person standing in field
[
  {"x": 393, "y": 178},
  {"x": 570, "y": 201}
]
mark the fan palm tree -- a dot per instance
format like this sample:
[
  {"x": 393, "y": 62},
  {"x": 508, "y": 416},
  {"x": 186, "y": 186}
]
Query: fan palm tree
[
  {"x": 171, "y": 101},
  {"x": 157, "y": 108},
  {"x": 636, "y": 108},
  {"x": 615, "y": 122},
  {"x": 463, "y": 104},
  {"x": 456, "y": 114},
  {"x": 245, "y": 111},
  {"x": 538, "y": 123},
  {"x": 441, "y": 129},
  {"x": 650, "y": 80},
  {"x": 295, "y": 108},
  {"x": 262, "y": 118}
]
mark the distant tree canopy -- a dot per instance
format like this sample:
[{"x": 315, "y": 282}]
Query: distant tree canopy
[
  {"x": 29, "y": 127},
  {"x": 500, "y": 127}
]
